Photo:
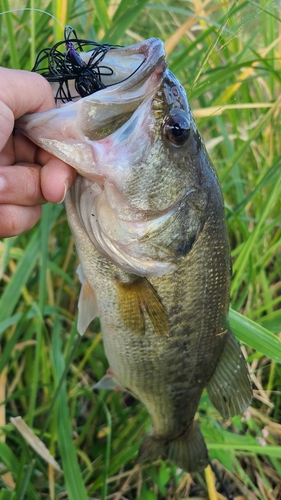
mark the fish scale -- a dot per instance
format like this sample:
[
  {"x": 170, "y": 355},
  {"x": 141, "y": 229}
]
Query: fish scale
[{"x": 147, "y": 216}]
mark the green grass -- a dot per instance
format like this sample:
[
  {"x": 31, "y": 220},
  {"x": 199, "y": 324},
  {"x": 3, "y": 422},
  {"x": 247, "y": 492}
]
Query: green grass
[{"x": 229, "y": 60}]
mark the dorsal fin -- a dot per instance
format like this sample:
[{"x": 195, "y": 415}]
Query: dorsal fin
[{"x": 137, "y": 298}]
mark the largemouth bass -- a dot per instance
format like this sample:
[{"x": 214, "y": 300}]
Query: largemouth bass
[{"x": 147, "y": 215}]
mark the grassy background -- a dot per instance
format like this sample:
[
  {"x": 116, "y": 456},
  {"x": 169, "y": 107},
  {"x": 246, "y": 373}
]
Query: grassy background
[{"x": 228, "y": 57}]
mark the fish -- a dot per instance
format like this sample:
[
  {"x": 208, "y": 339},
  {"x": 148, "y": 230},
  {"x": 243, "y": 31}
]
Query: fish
[{"x": 147, "y": 215}]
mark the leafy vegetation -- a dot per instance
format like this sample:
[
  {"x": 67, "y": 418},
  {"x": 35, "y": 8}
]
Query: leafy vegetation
[{"x": 228, "y": 57}]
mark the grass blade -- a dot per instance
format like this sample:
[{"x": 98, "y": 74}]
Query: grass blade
[
  {"x": 25, "y": 267},
  {"x": 253, "y": 449},
  {"x": 242, "y": 260},
  {"x": 124, "y": 17},
  {"x": 73, "y": 478},
  {"x": 256, "y": 336},
  {"x": 11, "y": 36}
]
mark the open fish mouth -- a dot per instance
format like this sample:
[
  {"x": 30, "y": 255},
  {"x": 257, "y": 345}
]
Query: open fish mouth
[
  {"x": 77, "y": 73},
  {"x": 135, "y": 74},
  {"x": 129, "y": 66}
]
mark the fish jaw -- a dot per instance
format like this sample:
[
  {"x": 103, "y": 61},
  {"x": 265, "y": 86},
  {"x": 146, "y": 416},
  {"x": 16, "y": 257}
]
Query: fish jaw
[{"x": 69, "y": 131}]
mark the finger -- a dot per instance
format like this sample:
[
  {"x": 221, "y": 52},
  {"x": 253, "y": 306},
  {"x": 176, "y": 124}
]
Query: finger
[
  {"x": 56, "y": 178},
  {"x": 27, "y": 151},
  {"x": 6, "y": 124},
  {"x": 21, "y": 185},
  {"x": 21, "y": 92},
  {"x": 16, "y": 219},
  {"x": 25, "y": 92},
  {"x": 19, "y": 149},
  {"x": 7, "y": 155}
]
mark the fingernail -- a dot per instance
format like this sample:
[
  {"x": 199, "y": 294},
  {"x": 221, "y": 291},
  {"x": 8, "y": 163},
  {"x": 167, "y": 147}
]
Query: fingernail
[
  {"x": 2, "y": 184},
  {"x": 66, "y": 186}
]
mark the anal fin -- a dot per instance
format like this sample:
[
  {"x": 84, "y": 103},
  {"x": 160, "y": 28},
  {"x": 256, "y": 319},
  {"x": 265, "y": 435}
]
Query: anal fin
[
  {"x": 187, "y": 451},
  {"x": 136, "y": 298},
  {"x": 230, "y": 387}
]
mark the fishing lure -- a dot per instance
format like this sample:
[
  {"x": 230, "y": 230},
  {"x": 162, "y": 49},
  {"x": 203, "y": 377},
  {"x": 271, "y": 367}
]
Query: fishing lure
[{"x": 66, "y": 67}]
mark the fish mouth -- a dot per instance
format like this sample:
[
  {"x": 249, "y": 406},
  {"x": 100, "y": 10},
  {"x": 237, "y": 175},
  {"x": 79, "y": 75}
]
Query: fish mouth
[
  {"x": 100, "y": 68},
  {"x": 141, "y": 68},
  {"x": 130, "y": 66},
  {"x": 72, "y": 131}
]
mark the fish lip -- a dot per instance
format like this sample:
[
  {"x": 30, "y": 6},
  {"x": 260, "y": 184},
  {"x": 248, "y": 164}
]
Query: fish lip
[
  {"x": 154, "y": 64},
  {"x": 154, "y": 52}
]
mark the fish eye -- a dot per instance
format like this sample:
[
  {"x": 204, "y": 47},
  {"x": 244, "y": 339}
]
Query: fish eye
[{"x": 177, "y": 127}]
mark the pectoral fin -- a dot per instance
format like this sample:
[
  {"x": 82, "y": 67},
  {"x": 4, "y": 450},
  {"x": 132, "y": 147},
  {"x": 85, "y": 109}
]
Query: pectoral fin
[
  {"x": 230, "y": 388},
  {"x": 87, "y": 304},
  {"x": 108, "y": 382},
  {"x": 137, "y": 298}
]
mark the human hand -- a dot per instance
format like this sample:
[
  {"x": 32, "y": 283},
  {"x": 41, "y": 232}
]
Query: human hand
[{"x": 29, "y": 176}]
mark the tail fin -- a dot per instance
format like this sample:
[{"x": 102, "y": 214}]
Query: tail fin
[{"x": 188, "y": 451}]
